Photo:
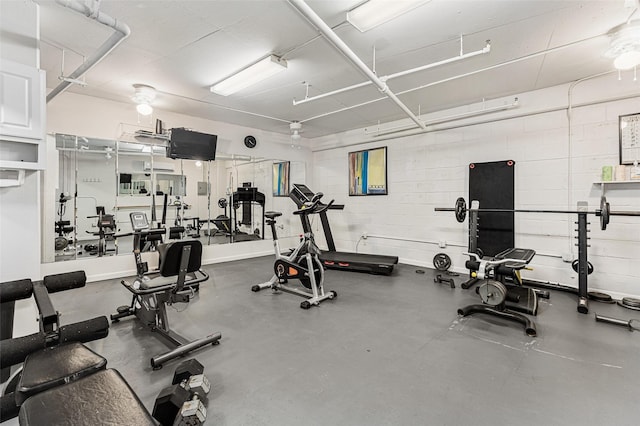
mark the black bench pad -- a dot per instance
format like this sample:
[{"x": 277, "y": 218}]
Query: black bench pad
[
  {"x": 55, "y": 366},
  {"x": 103, "y": 398}
]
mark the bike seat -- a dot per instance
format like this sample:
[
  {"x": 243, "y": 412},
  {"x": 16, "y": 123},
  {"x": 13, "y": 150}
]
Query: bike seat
[{"x": 272, "y": 215}]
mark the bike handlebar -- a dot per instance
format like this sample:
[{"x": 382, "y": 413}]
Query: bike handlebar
[{"x": 312, "y": 207}]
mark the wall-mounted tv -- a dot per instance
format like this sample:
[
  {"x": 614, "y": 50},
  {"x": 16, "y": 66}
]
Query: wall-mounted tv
[{"x": 190, "y": 145}]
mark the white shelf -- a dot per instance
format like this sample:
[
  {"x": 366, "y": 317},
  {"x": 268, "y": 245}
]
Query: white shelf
[{"x": 616, "y": 182}]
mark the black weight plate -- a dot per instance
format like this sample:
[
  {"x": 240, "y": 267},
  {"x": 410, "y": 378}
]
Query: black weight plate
[
  {"x": 461, "y": 209},
  {"x": 575, "y": 263},
  {"x": 604, "y": 213},
  {"x": 442, "y": 262},
  {"x": 599, "y": 297}
]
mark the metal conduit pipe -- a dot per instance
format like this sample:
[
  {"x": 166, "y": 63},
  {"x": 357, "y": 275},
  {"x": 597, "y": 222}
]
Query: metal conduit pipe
[
  {"x": 570, "y": 227},
  {"x": 341, "y": 46},
  {"x": 470, "y": 114},
  {"x": 456, "y": 77},
  {"x": 92, "y": 12},
  {"x": 386, "y": 78},
  {"x": 476, "y": 123}
]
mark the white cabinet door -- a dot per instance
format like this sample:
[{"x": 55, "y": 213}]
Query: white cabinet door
[{"x": 21, "y": 101}]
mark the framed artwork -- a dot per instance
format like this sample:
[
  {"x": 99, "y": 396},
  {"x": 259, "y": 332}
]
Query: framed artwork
[
  {"x": 368, "y": 172},
  {"x": 281, "y": 179},
  {"x": 629, "y": 126}
]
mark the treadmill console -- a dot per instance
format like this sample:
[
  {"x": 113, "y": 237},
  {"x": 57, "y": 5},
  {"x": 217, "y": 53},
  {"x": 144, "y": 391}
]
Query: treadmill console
[
  {"x": 301, "y": 194},
  {"x": 139, "y": 221}
]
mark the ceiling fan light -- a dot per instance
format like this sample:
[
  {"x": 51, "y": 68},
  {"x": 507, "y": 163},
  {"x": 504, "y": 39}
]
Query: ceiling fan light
[
  {"x": 627, "y": 60},
  {"x": 144, "y": 109},
  {"x": 376, "y": 12}
]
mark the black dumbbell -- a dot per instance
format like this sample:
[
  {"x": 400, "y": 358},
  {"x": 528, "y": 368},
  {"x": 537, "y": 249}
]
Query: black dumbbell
[
  {"x": 181, "y": 403},
  {"x": 440, "y": 280}
]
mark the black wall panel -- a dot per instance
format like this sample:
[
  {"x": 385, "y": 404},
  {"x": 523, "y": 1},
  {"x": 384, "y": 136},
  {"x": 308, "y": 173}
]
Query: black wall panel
[{"x": 492, "y": 184}]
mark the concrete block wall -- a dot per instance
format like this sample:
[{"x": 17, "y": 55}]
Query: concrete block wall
[{"x": 557, "y": 164}]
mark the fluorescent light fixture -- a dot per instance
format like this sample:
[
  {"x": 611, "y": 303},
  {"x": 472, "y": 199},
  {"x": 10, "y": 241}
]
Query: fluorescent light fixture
[
  {"x": 375, "y": 12},
  {"x": 250, "y": 75}
]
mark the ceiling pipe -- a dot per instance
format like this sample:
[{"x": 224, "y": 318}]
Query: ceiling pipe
[
  {"x": 456, "y": 77},
  {"x": 447, "y": 119},
  {"x": 341, "y": 46},
  {"x": 386, "y": 78},
  {"x": 91, "y": 11}
]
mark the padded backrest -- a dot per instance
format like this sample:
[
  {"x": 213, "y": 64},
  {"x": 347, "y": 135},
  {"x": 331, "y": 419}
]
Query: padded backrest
[
  {"x": 171, "y": 255},
  {"x": 107, "y": 221}
]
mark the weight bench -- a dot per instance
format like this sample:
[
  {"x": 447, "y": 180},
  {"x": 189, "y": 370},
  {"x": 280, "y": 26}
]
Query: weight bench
[
  {"x": 179, "y": 276},
  {"x": 100, "y": 398},
  {"x": 53, "y": 356}
]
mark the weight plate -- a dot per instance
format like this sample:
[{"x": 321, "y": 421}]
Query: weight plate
[
  {"x": 604, "y": 213},
  {"x": 630, "y": 303},
  {"x": 222, "y": 203},
  {"x": 575, "y": 264},
  {"x": 61, "y": 243},
  {"x": 492, "y": 292},
  {"x": 598, "y": 296},
  {"x": 442, "y": 262},
  {"x": 461, "y": 209}
]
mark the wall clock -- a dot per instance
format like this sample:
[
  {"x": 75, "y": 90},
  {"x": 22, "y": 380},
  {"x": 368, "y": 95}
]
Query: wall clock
[{"x": 250, "y": 141}]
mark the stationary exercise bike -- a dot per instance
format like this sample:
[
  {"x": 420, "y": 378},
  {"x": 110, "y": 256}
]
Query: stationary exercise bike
[
  {"x": 303, "y": 263},
  {"x": 177, "y": 279}
]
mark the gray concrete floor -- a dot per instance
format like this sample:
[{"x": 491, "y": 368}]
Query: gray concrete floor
[{"x": 387, "y": 351}]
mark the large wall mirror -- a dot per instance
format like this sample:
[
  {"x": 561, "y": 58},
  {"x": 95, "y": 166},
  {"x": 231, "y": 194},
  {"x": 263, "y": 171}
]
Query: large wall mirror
[{"x": 101, "y": 182}]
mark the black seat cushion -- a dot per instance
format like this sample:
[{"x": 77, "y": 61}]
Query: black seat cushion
[
  {"x": 171, "y": 253},
  {"x": 55, "y": 366},
  {"x": 103, "y": 398}
]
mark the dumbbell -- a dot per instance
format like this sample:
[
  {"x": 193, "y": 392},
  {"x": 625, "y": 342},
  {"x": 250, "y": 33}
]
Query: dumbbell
[{"x": 181, "y": 404}]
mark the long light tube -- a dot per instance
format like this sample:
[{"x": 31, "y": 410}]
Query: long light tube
[
  {"x": 254, "y": 73},
  {"x": 375, "y": 12}
]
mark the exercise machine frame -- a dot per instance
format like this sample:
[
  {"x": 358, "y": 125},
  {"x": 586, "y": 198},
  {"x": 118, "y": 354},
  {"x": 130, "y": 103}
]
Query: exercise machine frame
[
  {"x": 306, "y": 250},
  {"x": 150, "y": 299},
  {"x": 341, "y": 260}
]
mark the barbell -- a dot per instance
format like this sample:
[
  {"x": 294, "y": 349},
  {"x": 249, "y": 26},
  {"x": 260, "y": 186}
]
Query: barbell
[{"x": 604, "y": 212}]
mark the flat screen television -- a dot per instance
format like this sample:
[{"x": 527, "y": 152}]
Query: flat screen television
[{"x": 189, "y": 145}]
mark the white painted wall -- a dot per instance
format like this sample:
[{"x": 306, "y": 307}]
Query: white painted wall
[
  {"x": 20, "y": 206},
  {"x": 431, "y": 169}
]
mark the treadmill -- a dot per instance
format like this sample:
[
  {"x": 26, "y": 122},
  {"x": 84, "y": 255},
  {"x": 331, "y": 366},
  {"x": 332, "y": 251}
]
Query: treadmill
[{"x": 341, "y": 260}]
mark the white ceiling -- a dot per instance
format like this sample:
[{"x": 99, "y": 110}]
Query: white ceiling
[{"x": 183, "y": 47}]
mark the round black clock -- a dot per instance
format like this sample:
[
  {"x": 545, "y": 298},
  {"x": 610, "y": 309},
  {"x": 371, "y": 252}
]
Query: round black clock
[{"x": 250, "y": 142}]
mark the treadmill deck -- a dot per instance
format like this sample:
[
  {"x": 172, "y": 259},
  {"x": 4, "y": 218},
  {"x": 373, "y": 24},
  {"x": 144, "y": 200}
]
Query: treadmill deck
[{"x": 359, "y": 262}]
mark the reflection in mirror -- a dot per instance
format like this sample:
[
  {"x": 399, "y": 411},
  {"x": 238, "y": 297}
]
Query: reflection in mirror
[
  {"x": 100, "y": 183},
  {"x": 86, "y": 198}
]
